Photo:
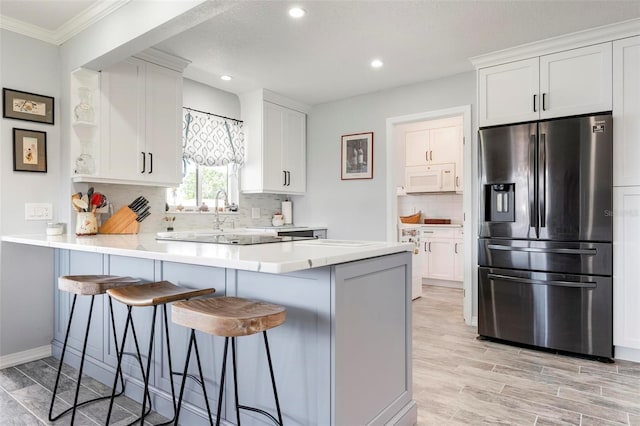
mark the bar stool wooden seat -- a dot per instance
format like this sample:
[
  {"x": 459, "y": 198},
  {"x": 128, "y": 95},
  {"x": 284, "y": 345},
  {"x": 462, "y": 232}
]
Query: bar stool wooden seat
[
  {"x": 229, "y": 317},
  {"x": 151, "y": 294},
  {"x": 86, "y": 285}
]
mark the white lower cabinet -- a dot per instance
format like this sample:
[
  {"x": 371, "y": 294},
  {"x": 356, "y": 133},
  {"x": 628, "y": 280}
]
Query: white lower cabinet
[
  {"x": 441, "y": 251},
  {"x": 626, "y": 252},
  {"x": 458, "y": 258}
]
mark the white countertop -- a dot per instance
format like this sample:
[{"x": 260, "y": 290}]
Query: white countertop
[{"x": 271, "y": 258}]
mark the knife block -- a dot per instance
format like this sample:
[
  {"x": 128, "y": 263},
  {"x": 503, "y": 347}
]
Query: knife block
[{"x": 122, "y": 222}]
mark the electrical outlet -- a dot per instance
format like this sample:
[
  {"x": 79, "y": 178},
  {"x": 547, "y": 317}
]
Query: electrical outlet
[
  {"x": 255, "y": 213},
  {"x": 38, "y": 211}
]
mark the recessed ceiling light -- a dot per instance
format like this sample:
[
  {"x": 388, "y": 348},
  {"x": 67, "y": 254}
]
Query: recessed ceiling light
[
  {"x": 225, "y": 77},
  {"x": 296, "y": 12},
  {"x": 376, "y": 63}
]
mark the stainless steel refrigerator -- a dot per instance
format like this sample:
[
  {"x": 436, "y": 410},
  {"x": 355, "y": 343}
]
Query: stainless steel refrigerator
[{"x": 545, "y": 240}]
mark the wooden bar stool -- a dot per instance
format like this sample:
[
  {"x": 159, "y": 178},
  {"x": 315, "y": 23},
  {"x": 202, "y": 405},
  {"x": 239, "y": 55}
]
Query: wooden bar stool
[
  {"x": 151, "y": 294},
  {"x": 230, "y": 317},
  {"x": 86, "y": 285}
]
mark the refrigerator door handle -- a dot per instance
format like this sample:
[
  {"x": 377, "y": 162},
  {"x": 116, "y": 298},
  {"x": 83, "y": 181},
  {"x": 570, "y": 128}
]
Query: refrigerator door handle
[
  {"x": 542, "y": 180},
  {"x": 586, "y": 252},
  {"x": 533, "y": 184},
  {"x": 573, "y": 284}
]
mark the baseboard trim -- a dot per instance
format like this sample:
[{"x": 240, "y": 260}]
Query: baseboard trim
[
  {"x": 627, "y": 354},
  {"x": 17, "y": 358}
]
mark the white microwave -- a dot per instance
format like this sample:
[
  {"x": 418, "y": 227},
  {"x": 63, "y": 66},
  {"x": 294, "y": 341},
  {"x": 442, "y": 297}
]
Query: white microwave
[{"x": 432, "y": 178}]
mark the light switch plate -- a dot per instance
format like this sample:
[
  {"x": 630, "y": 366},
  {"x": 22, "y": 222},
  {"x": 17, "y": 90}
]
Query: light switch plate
[
  {"x": 255, "y": 213},
  {"x": 38, "y": 211}
]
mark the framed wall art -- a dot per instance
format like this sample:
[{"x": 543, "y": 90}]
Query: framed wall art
[
  {"x": 29, "y": 151},
  {"x": 357, "y": 156},
  {"x": 27, "y": 106}
]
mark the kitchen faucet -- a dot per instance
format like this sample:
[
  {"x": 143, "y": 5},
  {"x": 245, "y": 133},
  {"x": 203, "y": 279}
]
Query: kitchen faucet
[{"x": 217, "y": 223}]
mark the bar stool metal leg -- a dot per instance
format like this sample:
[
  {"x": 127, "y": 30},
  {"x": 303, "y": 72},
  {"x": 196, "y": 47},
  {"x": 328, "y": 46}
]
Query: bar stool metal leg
[
  {"x": 193, "y": 343},
  {"x": 235, "y": 378},
  {"x": 222, "y": 374},
  {"x": 119, "y": 354},
  {"x": 277, "y": 421},
  {"x": 273, "y": 379},
  {"x": 75, "y": 405}
]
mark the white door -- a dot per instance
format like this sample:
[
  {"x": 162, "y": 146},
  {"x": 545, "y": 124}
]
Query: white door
[
  {"x": 163, "y": 149},
  {"x": 576, "y": 81},
  {"x": 294, "y": 151},
  {"x": 417, "y": 148},
  {"x": 508, "y": 93},
  {"x": 626, "y": 112},
  {"x": 123, "y": 121},
  {"x": 626, "y": 252},
  {"x": 458, "y": 260},
  {"x": 445, "y": 144},
  {"x": 440, "y": 258},
  {"x": 272, "y": 132}
]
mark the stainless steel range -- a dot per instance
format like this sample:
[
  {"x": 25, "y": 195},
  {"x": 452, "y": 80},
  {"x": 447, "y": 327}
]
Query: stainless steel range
[{"x": 545, "y": 246}]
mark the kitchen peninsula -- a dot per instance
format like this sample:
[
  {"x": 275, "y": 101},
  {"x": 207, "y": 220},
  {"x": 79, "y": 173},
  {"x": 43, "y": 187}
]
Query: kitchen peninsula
[{"x": 343, "y": 357}]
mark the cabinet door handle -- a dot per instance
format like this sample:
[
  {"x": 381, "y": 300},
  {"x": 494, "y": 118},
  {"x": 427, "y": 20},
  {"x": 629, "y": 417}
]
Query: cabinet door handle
[
  {"x": 284, "y": 178},
  {"x": 457, "y": 181},
  {"x": 534, "y": 102},
  {"x": 425, "y": 246},
  {"x": 544, "y": 97},
  {"x": 426, "y": 156},
  {"x": 150, "y": 163},
  {"x": 288, "y": 178},
  {"x": 455, "y": 248},
  {"x": 429, "y": 246},
  {"x": 144, "y": 162},
  {"x": 431, "y": 155}
]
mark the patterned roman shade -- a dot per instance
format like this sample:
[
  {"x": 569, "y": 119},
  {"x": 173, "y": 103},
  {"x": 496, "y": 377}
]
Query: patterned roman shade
[{"x": 211, "y": 141}]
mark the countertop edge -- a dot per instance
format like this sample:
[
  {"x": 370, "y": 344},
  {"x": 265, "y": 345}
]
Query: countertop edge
[{"x": 308, "y": 257}]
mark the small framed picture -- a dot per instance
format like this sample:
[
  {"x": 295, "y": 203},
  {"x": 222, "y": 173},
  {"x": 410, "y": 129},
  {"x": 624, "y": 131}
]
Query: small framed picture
[
  {"x": 27, "y": 106},
  {"x": 357, "y": 156},
  {"x": 29, "y": 151}
]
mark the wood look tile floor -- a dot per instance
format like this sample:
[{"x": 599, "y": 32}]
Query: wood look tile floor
[{"x": 457, "y": 380}]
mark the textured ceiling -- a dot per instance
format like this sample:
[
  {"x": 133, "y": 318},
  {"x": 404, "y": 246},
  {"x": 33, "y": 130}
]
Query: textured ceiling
[{"x": 325, "y": 55}]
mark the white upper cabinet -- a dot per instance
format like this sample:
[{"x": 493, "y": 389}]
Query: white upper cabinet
[
  {"x": 276, "y": 144},
  {"x": 141, "y": 123},
  {"x": 626, "y": 112},
  {"x": 571, "y": 82},
  {"x": 433, "y": 155},
  {"x": 576, "y": 81},
  {"x": 507, "y": 93},
  {"x": 138, "y": 123}
]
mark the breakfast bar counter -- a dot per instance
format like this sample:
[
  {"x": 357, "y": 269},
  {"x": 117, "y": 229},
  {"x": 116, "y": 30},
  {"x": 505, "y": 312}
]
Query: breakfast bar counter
[{"x": 343, "y": 356}]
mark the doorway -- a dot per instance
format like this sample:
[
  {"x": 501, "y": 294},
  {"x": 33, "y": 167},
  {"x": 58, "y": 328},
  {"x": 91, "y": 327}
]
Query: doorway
[{"x": 395, "y": 178}]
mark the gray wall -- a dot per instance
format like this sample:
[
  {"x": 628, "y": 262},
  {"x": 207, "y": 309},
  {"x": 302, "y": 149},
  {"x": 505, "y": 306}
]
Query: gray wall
[
  {"x": 355, "y": 209},
  {"x": 32, "y": 66}
]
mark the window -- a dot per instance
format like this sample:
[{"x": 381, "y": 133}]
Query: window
[
  {"x": 213, "y": 152},
  {"x": 201, "y": 183}
]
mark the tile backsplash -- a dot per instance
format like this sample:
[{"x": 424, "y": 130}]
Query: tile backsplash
[{"x": 123, "y": 195}]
